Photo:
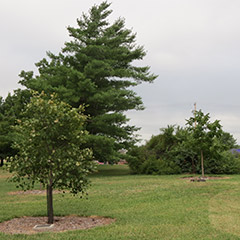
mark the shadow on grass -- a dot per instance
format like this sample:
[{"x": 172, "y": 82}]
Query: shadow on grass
[{"x": 111, "y": 170}]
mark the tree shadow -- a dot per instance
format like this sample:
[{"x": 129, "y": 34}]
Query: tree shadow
[{"x": 111, "y": 171}]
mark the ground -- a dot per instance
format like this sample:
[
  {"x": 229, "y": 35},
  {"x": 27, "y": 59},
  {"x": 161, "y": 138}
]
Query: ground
[
  {"x": 206, "y": 178},
  {"x": 25, "y": 225},
  {"x": 144, "y": 206}
]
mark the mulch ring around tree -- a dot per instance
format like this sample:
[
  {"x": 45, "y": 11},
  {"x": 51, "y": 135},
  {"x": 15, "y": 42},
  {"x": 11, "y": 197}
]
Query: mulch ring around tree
[
  {"x": 27, "y": 225},
  {"x": 200, "y": 179}
]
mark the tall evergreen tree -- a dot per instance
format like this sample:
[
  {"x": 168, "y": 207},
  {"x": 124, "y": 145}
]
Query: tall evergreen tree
[{"x": 96, "y": 68}]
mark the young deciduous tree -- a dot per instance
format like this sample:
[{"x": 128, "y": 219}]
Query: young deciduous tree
[
  {"x": 204, "y": 133},
  {"x": 49, "y": 140},
  {"x": 97, "y": 68},
  {"x": 181, "y": 150}
]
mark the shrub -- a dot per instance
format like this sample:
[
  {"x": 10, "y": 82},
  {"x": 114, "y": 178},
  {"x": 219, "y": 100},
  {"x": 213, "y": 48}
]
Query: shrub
[{"x": 160, "y": 167}]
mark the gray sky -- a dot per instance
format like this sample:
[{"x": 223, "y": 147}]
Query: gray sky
[{"x": 193, "y": 45}]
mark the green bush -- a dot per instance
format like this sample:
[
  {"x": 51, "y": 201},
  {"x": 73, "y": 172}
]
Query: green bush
[
  {"x": 227, "y": 163},
  {"x": 160, "y": 167},
  {"x": 174, "y": 151},
  {"x": 135, "y": 158}
]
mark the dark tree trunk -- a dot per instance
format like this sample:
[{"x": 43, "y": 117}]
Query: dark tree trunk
[
  {"x": 1, "y": 164},
  {"x": 193, "y": 167},
  {"x": 202, "y": 164},
  {"x": 50, "y": 202}
]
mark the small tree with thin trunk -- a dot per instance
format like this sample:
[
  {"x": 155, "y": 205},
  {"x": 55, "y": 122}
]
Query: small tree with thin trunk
[
  {"x": 48, "y": 140},
  {"x": 203, "y": 133}
]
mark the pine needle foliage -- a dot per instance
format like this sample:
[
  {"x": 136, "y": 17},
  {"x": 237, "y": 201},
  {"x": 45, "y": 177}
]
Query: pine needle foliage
[{"x": 96, "y": 68}]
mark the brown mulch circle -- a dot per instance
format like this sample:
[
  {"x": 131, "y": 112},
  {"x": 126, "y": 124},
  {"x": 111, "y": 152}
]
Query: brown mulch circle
[
  {"x": 25, "y": 225},
  {"x": 217, "y": 177}
]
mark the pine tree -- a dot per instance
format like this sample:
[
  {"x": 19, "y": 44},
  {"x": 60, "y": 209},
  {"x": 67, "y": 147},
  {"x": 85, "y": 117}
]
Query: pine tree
[{"x": 96, "y": 68}]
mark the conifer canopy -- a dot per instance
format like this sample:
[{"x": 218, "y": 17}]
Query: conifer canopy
[{"x": 96, "y": 68}]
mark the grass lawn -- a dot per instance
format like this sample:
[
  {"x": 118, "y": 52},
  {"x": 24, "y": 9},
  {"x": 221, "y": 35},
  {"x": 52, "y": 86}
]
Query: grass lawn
[{"x": 145, "y": 207}]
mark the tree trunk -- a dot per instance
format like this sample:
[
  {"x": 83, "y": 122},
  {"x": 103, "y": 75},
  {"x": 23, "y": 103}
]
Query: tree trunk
[
  {"x": 50, "y": 201},
  {"x": 1, "y": 164},
  {"x": 193, "y": 167},
  {"x": 202, "y": 164}
]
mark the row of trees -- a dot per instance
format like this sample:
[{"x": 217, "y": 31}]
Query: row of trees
[{"x": 199, "y": 147}]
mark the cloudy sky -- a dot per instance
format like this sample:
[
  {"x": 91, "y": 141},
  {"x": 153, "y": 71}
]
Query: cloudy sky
[{"x": 193, "y": 45}]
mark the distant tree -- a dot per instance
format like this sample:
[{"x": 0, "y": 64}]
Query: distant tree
[
  {"x": 10, "y": 109},
  {"x": 200, "y": 146},
  {"x": 204, "y": 133},
  {"x": 154, "y": 157},
  {"x": 3, "y": 140},
  {"x": 162, "y": 143},
  {"x": 228, "y": 141},
  {"x": 97, "y": 68},
  {"x": 183, "y": 153},
  {"x": 48, "y": 140}
]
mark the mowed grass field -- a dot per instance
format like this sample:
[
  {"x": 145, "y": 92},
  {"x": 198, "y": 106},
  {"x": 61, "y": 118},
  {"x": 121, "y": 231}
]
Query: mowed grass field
[{"x": 145, "y": 207}]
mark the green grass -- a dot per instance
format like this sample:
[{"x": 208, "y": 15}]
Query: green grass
[{"x": 145, "y": 207}]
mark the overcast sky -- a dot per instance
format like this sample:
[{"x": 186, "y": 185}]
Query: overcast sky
[{"x": 193, "y": 45}]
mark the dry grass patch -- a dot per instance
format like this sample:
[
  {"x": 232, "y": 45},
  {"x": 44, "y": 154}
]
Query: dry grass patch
[
  {"x": 33, "y": 192},
  {"x": 5, "y": 175}
]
